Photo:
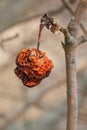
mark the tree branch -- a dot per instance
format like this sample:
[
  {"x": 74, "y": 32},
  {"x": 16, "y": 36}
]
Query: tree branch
[
  {"x": 72, "y": 1},
  {"x": 67, "y": 7},
  {"x": 82, "y": 39},
  {"x": 70, "y": 56},
  {"x": 69, "y": 47},
  {"x": 80, "y": 10},
  {"x": 72, "y": 13}
]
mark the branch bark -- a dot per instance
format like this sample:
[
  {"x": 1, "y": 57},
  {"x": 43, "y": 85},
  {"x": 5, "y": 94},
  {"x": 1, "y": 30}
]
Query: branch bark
[
  {"x": 82, "y": 39},
  {"x": 71, "y": 73},
  {"x": 72, "y": 102},
  {"x": 71, "y": 76},
  {"x": 69, "y": 45}
]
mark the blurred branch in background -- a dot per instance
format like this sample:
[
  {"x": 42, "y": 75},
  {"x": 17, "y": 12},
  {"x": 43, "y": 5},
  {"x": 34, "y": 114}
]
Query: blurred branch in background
[
  {"x": 16, "y": 113},
  {"x": 72, "y": 1},
  {"x": 22, "y": 107},
  {"x": 82, "y": 39},
  {"x": 6, "y": 23},
  {"x": 80, "y": 10},
  {"x": 72, "y": 13},
  {"x": 23, "y": 12}
]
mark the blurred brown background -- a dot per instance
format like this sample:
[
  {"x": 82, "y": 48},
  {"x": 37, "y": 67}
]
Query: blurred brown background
[{"x": 44, "y": 106}]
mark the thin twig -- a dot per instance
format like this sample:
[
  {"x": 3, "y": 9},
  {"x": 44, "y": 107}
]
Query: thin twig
[
  {"x": 83, "y": 28},
  {"x": 72, "y": 1},
  {"x": 67, "y": 7},
  {"x": 72, "y": 13},
  {"x": 82, "y": 39},
  {"x": 80, "y": 10}
]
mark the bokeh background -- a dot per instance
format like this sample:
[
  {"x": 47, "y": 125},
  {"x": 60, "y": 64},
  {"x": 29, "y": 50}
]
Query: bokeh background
[{"x": 43, "y": 107}]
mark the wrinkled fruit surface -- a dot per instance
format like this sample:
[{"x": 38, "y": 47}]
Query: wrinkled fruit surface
[{"x": 32, "y": 66}]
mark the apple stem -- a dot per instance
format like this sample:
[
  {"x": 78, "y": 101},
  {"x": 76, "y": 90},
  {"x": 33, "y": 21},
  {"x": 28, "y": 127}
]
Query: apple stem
[{"x": 39, "y": 35}]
